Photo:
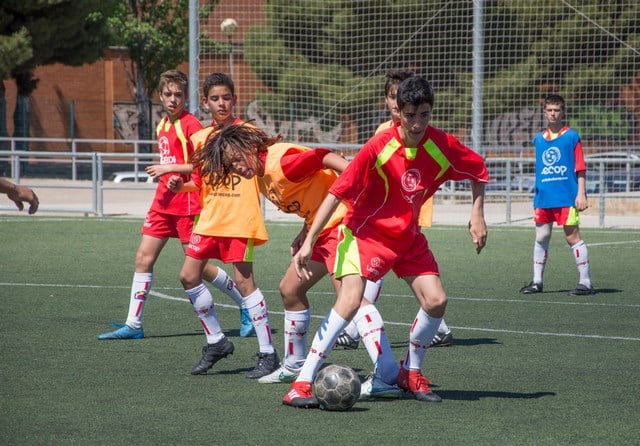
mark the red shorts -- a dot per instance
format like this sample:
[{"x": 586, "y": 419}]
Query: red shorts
[
  {"x": 159, "y": 225},
  {"x": 225, "y": 249},
  {"x": 567, "y": 216},
  {"x": 372, "y": 259},
  {"x": 324, "y": 250}
]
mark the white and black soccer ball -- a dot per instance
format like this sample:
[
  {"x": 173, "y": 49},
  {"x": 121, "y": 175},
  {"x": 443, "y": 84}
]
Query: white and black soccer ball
[{"x": 336, "y": 387}]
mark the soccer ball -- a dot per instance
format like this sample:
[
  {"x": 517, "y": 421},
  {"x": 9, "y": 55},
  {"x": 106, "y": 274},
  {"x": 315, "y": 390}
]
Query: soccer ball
[{"x": 336, "y": 387}]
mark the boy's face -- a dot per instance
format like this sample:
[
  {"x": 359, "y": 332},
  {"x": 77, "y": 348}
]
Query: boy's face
[
  {"x": 220, "y": 102},
  {"x": 246, "y": 167},
  {"x": 554, "y": 114},
  {"x": 392, "y": 105},
  {"x": 173, "y": 98},
  {"x": 413, "y": 123}
]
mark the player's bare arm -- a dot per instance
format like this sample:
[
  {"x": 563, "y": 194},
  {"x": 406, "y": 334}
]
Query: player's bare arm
[
  {"x": 157, "y": 170},
  {"x": 335, "y": 161},
  {"x": 297, "y": 242},
  {"x": 581, "y": 199},
  {"x": 301, "y": 258},
  {"x": 176, "y": 184},
  {"x": 477, "y": 223}
]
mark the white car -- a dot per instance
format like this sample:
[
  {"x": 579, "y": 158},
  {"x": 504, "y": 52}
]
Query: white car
[
  {"x": 130, "y": 177},
  {"x": 617, "y": 156}
]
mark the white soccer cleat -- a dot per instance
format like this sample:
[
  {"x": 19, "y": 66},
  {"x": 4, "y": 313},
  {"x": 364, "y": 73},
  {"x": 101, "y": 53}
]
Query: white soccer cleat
[
  {"x": 281, "y": 375},
  {"x": 373, "y": 387}
]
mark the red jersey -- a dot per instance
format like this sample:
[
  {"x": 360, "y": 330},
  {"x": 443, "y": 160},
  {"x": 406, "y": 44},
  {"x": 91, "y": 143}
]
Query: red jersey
[
  {"x": 175, "y": 147},
  {"x": 386, "y": 183}
]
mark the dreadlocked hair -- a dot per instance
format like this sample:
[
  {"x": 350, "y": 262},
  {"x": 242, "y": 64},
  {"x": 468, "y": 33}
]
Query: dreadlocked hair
[{"x": 226, "y": 145}]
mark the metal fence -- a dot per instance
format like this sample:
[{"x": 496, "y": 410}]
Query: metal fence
[{"x": 512, "y": 178}]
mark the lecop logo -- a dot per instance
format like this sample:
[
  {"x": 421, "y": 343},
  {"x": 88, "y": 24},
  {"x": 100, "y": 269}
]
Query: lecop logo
[{"x": 550, "y": 158}]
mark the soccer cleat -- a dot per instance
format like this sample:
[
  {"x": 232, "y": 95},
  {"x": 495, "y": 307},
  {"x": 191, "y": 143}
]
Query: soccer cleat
[
  {"x": 281, "y": 375},
  {"x": 301, "y": 396},
  {"x": 531, "y": 288},
  {"x": 267, "y": 364},
  {"x": 246, "y": 325},
  {"x": 374, "y": 387},
  {"x": 122, "y": 332},
  {"x": 582, "y": 290},
  {"x": 212, "y": 353},
  {"x": 412, "y": 382},
  {"x": 442, "y": 340},
  {"x": 347, "y": 342}
]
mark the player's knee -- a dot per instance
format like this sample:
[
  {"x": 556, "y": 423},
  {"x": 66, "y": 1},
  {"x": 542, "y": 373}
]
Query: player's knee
[{"x": 203, "y": 304}]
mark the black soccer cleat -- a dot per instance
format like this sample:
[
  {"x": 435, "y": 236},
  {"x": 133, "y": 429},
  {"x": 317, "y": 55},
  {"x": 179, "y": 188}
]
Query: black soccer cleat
[
  {"x": 582, "y": 290},
  {"x": 531, "y": 288},
  {"x": 267, "y": 363},
  {"x": 212, "y": 353}
]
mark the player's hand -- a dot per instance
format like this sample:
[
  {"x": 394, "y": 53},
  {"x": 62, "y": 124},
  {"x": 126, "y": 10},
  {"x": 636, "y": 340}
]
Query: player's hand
[
  {"x": 478, "y": 232},
  {"x": 582, "y": 203},
  {"x": 21, "y": 194},
  {"x": 157, "y": 170},
  {"x": 300, "y": 262},
  {"x": 175, "y": 183}
]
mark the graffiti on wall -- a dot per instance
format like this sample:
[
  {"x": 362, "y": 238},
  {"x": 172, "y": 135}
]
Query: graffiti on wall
[
  {"x": 299, "y": 130},
  {"x": 125, "y": 119},
  {"x": 597, "y": 123}
]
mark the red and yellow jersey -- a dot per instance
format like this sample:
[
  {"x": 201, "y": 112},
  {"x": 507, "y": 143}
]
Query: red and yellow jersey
[
  {"x": 296, "y": 181},
  {"x": 386, "y": 183},
  {"x": 232, "y": 210},
  {"x": 425, "y": 219},
  {"x": 175, "y": 147}
]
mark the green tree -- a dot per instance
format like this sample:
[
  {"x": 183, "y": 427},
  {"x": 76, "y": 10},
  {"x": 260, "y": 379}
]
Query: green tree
[
  {"x": 39, "y": 32},
  {"x": 156, "y": 34}
]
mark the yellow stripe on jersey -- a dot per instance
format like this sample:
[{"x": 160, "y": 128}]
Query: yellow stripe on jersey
[
  {"x": 434, "y": 151},
  {"x": 387, "y": 151}
]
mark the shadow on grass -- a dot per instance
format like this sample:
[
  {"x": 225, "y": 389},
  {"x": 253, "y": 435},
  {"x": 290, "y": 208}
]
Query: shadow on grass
[
  {"x": 471, "y": 395},
  {"x": 457, "y": 342}
]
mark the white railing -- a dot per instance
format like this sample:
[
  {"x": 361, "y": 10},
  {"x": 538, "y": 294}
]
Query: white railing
[{"x": 512, "y": 178}]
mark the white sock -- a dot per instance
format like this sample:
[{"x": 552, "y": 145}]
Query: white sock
[
  {"x": 423, "y": 330},
  {"x": 372, "y": 290},
  {"x": 140, "y": 289},
  {"x": 257, "y": 307},
  {"x": 540, "y": 252},
  {"x": 322, "y": 344},
  {"x": 371, "y": 294},
  {"x": 443, "y": 328},
  {"x": 296, "y": 324},
  {"x": 224, "y": 283},
  {"x": 582, "y": 262},
  {"x": 202, "y": 301},
  {"x": 375, "y": 340}
]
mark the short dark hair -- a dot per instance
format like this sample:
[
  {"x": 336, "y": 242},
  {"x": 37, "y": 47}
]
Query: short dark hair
[
  {"x": 554, "y": 99},
  {"x": 215, "y": 79},
  {"x": 415, "y": 90}
]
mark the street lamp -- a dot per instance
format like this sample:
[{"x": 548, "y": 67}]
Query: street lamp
[{"x": 229, "y": 27}]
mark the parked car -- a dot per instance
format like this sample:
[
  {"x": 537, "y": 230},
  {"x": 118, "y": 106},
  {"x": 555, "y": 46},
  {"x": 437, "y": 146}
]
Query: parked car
[
  {"x": 617, "y": 180},
  {"x": 617, "y": 156},
  {"x": 130, "y": 177}
]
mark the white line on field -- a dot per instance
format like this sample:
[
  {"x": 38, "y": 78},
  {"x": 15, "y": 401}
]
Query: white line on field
[{"x": 165, "y": 296}]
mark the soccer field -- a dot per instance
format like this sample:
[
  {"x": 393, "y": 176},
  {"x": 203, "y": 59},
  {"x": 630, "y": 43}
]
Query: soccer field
[{"x": 549, "y": 369}]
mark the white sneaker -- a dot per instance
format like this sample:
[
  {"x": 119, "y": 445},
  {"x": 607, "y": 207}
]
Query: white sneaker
[
  {"x": 281, "y": 375},
  {"x": 374, "y": 387}
]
